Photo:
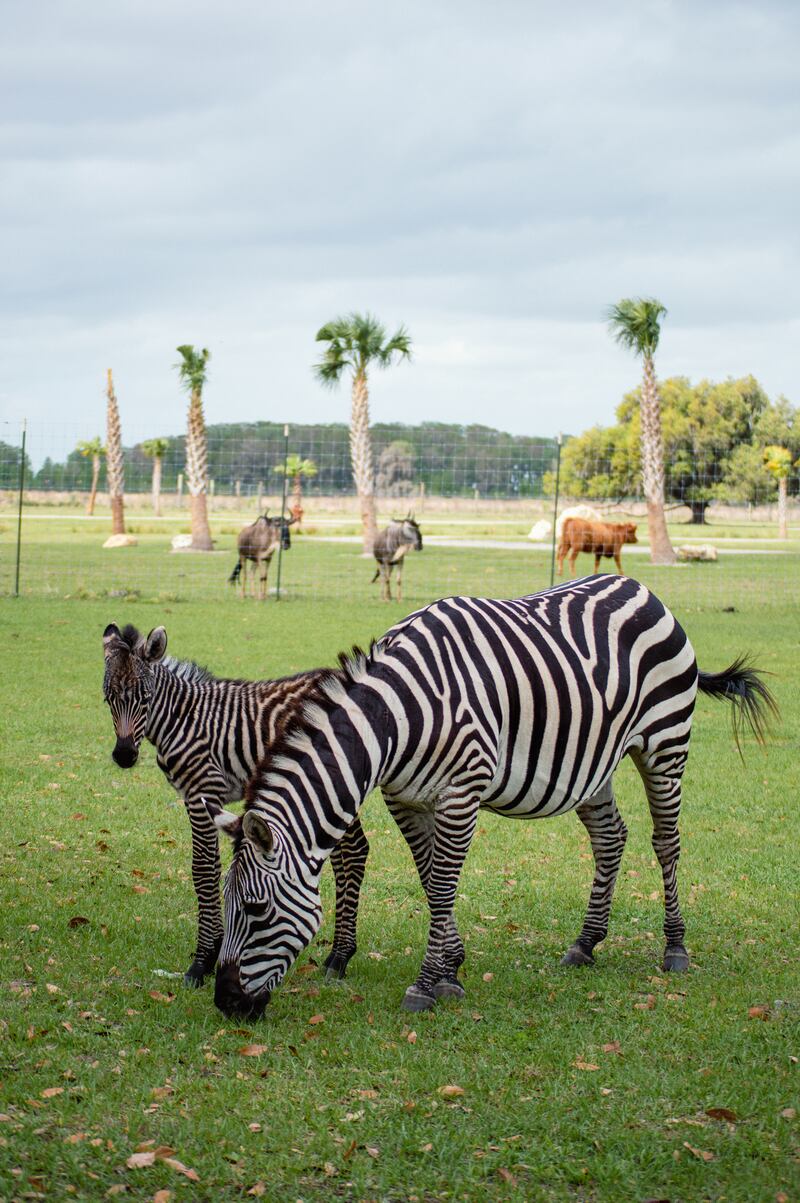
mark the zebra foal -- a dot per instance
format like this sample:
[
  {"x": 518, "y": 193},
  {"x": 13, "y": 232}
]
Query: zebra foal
[
  {"x": 209, "y": 735},
  {"x": 524, "y": 708}
]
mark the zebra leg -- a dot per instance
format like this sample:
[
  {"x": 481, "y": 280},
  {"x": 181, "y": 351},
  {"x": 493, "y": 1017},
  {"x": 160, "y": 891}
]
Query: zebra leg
[
  {"x": 607, "y": 833},
  {"x": 348, "y": 861},
  {"x": 439, "y": 844},
  {"x": 662, "y": 775},
  {"x": 205, "y": 876}
]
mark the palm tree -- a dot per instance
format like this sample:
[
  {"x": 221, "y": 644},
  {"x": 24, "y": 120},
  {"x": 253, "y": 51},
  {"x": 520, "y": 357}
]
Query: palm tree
[
  {"x": 115, "y": 463},
  {"x": 193, "y": 377},
  {"x": 635, "y": 324},
  {"x": 92, "y": 449},
  {"x": 155, "y": 450},
  {"x": 778, "y": 462},
  {"x": 297, "y": 468},
  {"x": 357, "y": 342}
]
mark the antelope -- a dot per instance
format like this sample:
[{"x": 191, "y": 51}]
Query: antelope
[
  {"x": 391, "y": 544},
  {"x": 257, "y": 543}
]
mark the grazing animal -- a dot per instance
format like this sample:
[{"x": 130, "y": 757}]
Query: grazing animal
[
  {"x": 209, "y": 735},
  {"x": 588, "y": 512},
  {"x": 257, "y": 543},
  {"x": 391, "y": 545},
  {"x": 599, "y": 538},
  {"x": 524, "y": 708}
]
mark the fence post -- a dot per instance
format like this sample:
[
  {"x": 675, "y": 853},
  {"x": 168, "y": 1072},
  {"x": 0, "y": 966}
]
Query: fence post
[
  {"x": 555, "y": 513},
  {"x": 19, "y": 512},
  {"x": 283, "y": 508}
]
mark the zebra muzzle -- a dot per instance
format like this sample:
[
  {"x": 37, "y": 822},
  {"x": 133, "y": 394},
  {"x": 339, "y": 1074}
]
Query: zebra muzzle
[
  {"x": 125, "y": 753},
  {"x": 232, "y": 1000}
]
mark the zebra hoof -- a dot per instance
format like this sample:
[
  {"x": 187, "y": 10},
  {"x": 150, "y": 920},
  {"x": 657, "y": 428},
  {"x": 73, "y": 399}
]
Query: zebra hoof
[
  {"x": 676, "y": 959},
  {"x": 415, "y": 999},
  {"x": 336, "y": 966},
  {"x": 577, "y": 956},
  {"x": 334, "y": 975},
  {"x": 195, "y": 975},
  {"x": 448, "y": 987}
]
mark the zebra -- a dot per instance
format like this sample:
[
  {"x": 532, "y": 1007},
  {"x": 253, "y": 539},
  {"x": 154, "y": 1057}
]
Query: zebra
[
  {"x": 391, "y": 544},
  {"x": 209, "y": 735},
  {"x": 257, "y": 542},
  {"x": 521, "y": 707}
]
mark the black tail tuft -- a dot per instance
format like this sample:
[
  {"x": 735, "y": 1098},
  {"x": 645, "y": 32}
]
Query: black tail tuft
[
  {"x": 752, "y": 702},
  {"x": 233, "y": 578}
]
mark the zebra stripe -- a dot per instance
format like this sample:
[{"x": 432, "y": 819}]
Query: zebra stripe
[
  {"x": 209, "y": 736},
  {"x": 521, "y": 707}
]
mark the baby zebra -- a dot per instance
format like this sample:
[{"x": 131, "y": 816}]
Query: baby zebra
[
  {"x": 257, "y": 543},
  {"x": 209, "y": 735},
  {"x": 391, "y": 544}
]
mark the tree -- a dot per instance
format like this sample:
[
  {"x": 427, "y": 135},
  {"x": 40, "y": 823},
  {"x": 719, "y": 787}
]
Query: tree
[
  {"x": 92, "y": 449},
  {"x": 192, "y": 371},
  {"x": 115, "y": 462},
  {"x": 396, "y": 469},
  {"x": 635, "y": 324},
  {"x": 296, "y": 469},
  {"x": 155, "y": 450},
  {"x": 10, "y": 464},
  {"x": 778, "y": 462},
  {"x": 356, "y": 343}
]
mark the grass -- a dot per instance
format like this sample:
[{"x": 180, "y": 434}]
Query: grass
[{"x": 101, "y": 1053}]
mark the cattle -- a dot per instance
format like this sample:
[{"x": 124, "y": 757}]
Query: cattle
[{"x": 599, "y": 538}]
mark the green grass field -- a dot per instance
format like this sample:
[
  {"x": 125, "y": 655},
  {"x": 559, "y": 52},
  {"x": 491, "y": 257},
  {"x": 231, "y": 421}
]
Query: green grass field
[{"x": 613, "y": 1083}]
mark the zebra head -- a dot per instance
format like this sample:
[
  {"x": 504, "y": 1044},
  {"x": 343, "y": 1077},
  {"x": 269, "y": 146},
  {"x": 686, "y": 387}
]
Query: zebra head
[
  {"x": 270, "y": 914},
  {"x": 128, "y": 685}
]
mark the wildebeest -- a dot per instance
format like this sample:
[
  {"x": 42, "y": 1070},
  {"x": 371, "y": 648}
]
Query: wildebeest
[
  {"x": 257, "y": 543},
  {"x": 391, "y": 544},
  {"x": 599, "y": 538}
]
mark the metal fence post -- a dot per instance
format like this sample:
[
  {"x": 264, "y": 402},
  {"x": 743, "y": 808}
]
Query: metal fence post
[
  {"x": 555, "y": 514},
  {"x": 19, "y": 513},
  {"x": 283, "y": 508}
]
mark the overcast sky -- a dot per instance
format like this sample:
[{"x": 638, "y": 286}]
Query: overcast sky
[{"x": 492, "y": 175}]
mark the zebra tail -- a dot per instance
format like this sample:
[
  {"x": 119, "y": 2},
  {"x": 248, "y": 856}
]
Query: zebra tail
[
  {"x": 753, "y": 703},
  {"x": 233, "y": 578}
]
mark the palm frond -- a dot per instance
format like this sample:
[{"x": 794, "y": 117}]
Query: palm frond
[
  {"x": 192, "y": 370},
  {"x": 356, "y": 341},
  {"x": 635, "y": 323}
]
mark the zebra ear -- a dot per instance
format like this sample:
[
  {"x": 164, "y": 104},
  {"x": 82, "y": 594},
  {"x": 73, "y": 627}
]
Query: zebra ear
[
  {"x": 258, "y": 831},
  {"x": 111, "y": 635},
  {"x": 225, "y": 820},
  {"x": 156, "y": 644}
]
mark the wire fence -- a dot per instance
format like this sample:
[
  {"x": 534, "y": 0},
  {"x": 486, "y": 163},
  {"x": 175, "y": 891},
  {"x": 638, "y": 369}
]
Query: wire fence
[{"x": 485, "y": 501}]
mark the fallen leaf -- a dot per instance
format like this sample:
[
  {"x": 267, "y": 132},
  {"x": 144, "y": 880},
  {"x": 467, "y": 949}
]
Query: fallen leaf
[
  {"x": 316, "y": 1019},
  {"x": 159, "y": 997},
  {"x": 258, "y": 1189},
  {"x": 139, "y": 1161},
  {"x": 51, "y": 989},
  {"x": 579, "y": 1063},
  {"x": 723, "y": 1113},
  {"x": 758, "y": 1012},
  {"x": 612, "y": 1047},
  {"x": 52, "y": 1091},
  {"x": 330, "y": 1169},
  {"x": 162, "y": 1092},
  {"x": 350, "y": 1150},
  {"x": 412, "y": 1037},
  {"x": 138, "y": 873},
  {"x": 701, "y": 1154},
  {"x": 450, "y": 1092},
  {"x": 118, "y": 1188},
  {"x": 254, "y": 1127},
  {"x": 180, "y": 1168},
  {"x": 163, "y": 1196},
  {"x": 648, "y": 1004},
  {"x": 141, "y": 889},
  {"x": 372, "y": 1150},
  {"x": 507, "y": 1176},
  {"x": 488, "y": 977},
  {"x": 788, "y": 1113},
  {"x": 253, "y": 1050}
]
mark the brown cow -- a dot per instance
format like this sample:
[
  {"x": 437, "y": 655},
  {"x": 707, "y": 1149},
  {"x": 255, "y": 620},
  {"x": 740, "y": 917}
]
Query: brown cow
[{"x": 600, "y": 538}]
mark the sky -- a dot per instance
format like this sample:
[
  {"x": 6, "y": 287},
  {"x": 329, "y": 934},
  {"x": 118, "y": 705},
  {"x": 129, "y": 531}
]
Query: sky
[{"x": 492, "y": 176}]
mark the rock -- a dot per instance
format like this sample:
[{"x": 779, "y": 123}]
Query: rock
[
  {"x": 120, "y": 541},
  {"x": 540, "y": 530},
  {"x": 703, "y": 551},
  {"x": 181, "y": 542}
]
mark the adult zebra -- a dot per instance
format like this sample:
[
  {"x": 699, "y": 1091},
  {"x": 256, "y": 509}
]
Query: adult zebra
[
  {"x": 209, "y": 735},
  {"x": 521, "y": 707}
]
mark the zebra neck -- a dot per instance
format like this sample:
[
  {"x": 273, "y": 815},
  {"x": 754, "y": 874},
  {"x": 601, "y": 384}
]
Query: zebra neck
[{"x": 172, "y": 696}]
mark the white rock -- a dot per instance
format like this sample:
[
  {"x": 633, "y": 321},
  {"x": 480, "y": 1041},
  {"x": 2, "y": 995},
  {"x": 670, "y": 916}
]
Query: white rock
[
  {"x": 702, "y": 551},
  {"x": 179, "y": 542},
  {"x": 120, "y": 541},
  {"x": 540, "y": 530}
]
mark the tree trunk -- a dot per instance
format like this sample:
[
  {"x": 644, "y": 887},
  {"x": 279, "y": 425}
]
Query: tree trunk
[
  {"x": 95, "y": 478},
  {"x": 782, "y": 492},
  {"x": 115, "y": 467},
  {"x": 361, "y": 458},
  {"x": 156, "y": 486},
  {"x": 661, "y": 549},
  {"x": 698, "y": 509},
  {"x": 197, "y": 473}
]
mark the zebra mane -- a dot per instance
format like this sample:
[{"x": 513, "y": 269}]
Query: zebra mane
[
  {"x": 185, "y": 670},
  {"x": 329, "y": 693}
]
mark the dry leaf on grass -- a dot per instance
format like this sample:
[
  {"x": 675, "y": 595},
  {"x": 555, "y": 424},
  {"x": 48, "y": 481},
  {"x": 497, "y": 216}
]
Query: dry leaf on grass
[
  {"x": 315, "y": 1019},
  {"x": 700, "y": 1154},
  {"x": 723, "y": 1113},
  {"x": 579, "y": 1063},
  {"x": 412, "y": 1037},
  {"x": 78, "y": 921},
  {"x": 159, "y": 997},
  {"x": 759, "y": 1012},
  {"x": 52, "y": 1091},
  {"x": 613, "y": 1046},
  {"x": 253, "y": 1050},
  {"x": 507, "y": 1176},
  {"x": 163, "y": 1196},
  {"x": 450, "y": 1092},
  {"x": 180, "y": 1168},
  {"x": 258, "y": 1189}
]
